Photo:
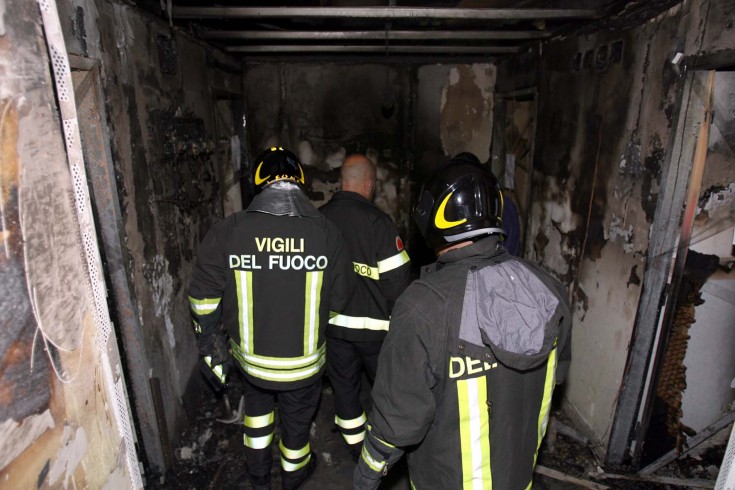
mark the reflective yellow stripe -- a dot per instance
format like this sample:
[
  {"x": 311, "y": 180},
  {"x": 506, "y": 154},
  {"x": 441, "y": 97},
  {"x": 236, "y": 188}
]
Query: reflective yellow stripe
[
  {"x": 358, "y": 322},
  {"x": 278, "y": 362},
  {"x": 282, "y": 375},
  {"x": 372, "y": 463},
  {"x": 474, "y": 433},
  {"x": 393, "y": 262},
  {"x": 354, "y": 438},
  {"x": 204, "y": 306},
  {"x": 545, "y": 409},
  {"x": 351, "y": 423},
  {"x": 312, "y": 301},
  {"x": 217, "y": 370},
  {"x": 258, "y": 442},
  {"x": 259, "y": 421},
  {"x": 294, "y": 453},
  {"x": 244, "y": 283},
  {"x": 365, "y": 270},
  {"x": 289, "y": 466},
  {"x": 370, "y": 428}
]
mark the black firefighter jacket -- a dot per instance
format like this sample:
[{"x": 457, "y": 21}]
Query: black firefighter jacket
[
  {"x": 467, "y": 371},
  {"x": 272, "y": 281},
  {"x": 381, "y": 266}
]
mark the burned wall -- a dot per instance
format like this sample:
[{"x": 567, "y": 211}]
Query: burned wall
[
  {"x": 62, "y": 421},
  {"x": 606, "y": 107},
  {"x": 323, "y": 112},
  {"x": 160, "y": 88}
]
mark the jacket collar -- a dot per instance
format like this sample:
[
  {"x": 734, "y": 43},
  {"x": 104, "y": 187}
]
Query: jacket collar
[
  {"x": 350, "y": 195},
  {"x": 483, "y": 248}
]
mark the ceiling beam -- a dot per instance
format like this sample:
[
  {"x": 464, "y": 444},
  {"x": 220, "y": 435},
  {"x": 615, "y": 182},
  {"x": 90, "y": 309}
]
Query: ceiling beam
[
  {"x": 371, "y": 35},
  {"x": 374, "y": 49},
  {"x": 379, "y": 13}
]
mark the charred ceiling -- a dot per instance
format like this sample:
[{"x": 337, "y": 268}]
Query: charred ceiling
[{"x": 388, "y": 30}]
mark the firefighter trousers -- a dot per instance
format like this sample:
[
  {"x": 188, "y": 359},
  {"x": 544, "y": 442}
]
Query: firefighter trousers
[
  {"x": 345, "y": 363},
  {"x": 296, "y": 409}
]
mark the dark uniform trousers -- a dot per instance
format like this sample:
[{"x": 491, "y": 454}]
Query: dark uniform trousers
[
  {"x": 296, "y": 408},
  {"x": 345, "y": 362}
]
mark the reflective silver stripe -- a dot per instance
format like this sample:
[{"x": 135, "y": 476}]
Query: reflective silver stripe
[
  {"x": 371, "y": 462},
  {"x": 289, "y": 466},
  {"x": 259, "y": 421},
  {"x": 204, "y": 306},
  {"x": 258, "y": 442},
  {"x": 272, "y": 375},
  {"x": 365, "y": 270},
  {"x": 351, "y": 423},
  {"x": 354, "y": 438},
  {"x": 312, "y": 302},
  {"x": 359, "y": 322},
  {"x": 217, "y": 370},
  {"x": 470, "y": 234},
  {"x": 393, "y": 262},
  {"x": 282, "y": 362},
  {"x": 244, "y": 283},
  {"x": 294, "y": 453}
]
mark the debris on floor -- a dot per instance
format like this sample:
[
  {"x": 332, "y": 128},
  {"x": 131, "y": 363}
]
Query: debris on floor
[{"x": 211, "y": 456}]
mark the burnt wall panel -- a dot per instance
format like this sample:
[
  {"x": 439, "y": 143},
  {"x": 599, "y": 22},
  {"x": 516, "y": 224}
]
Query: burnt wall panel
[
  {"x": 58, "y": 368},
  {"x": 160, "y": 88},
  {"x": 325, "y": 112},
  {"x": 606, "y": 106}
]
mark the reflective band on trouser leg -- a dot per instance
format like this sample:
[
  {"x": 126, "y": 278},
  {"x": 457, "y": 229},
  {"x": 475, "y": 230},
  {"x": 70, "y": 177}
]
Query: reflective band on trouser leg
[
  {"x": 312, "y": 300},
  {"x": 244, "y": 283},
  {"x": 294, "y": 459},
  {"x": 258, "y": 442},
  {"x": 358, "y": 322},
  {"x": 259, "y": 421},
  {"x": 354, "y": 438},
  {"x": 545, "y": 409},
  {"x": 351, "y": 423},
  {"x": 393, "y": 262},
  {"x": 474, "y": 431},
  {"x": 203, "y": 306},
  {"x": 352, "y": 430},
  {"x": 258, "y": 430}
]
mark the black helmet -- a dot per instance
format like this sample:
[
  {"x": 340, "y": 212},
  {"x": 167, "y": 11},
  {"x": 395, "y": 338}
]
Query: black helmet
[
  {"x": 276, "y": 164},
  {"x": 461, "y": 201}
]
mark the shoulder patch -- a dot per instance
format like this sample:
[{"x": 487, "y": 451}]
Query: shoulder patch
[{"x": 399, "y": 243}]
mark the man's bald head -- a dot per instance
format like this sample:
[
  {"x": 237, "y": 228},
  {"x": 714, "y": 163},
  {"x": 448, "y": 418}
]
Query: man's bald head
[{"x": 358, "y": 175}]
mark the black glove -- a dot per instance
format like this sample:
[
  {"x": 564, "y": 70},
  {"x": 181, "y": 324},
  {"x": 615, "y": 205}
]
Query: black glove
[
  {"x": 215, "y": 374},
  {"x": 214, "y": 346}
]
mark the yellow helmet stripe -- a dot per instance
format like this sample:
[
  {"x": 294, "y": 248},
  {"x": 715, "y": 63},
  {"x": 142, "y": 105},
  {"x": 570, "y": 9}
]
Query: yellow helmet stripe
[{"x": 440, "y": 221}]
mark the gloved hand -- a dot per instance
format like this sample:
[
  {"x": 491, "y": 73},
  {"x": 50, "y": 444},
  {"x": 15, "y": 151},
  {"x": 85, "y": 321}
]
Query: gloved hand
[
  {"x": 376, "y": 458},
  {"x": 215, "y": 374}
]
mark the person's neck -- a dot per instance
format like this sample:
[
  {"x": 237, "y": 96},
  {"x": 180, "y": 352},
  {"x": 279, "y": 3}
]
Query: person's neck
[{"x": 453, "y": 247}]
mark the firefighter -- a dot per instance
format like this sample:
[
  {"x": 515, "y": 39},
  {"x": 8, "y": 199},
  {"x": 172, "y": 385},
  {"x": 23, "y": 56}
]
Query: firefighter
[
  {"x": 382, "y": 269},
  {"x": 270, "y": 275},
  {"x": 475, "y": 348}
]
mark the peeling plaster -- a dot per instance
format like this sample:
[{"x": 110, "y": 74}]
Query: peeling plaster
[
  {"x": 617, "y": 229},
  {"x": 18, "y": 437},
  {"x": 306, "y": 153},
  {"x": 723, "y": 198},
  {"x": 68, "y": 457},
  {"x": 162, "y": 290}
]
